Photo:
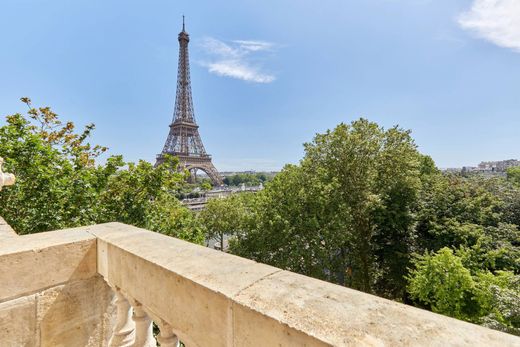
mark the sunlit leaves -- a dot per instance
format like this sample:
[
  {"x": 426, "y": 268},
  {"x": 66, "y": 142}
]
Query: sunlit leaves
[{"x": 60, "y": 185}]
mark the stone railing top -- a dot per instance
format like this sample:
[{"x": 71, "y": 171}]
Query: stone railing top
[
  {"x": 30, "y": 263},
  {"x": 210, "y": 298}
]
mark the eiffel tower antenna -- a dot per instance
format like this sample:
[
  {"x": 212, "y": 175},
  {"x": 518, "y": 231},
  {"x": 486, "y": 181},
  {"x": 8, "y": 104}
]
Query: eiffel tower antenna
[{"x": 184, "y": 140}]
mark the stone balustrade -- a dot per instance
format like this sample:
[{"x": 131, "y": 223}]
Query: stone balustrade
[{"x": 104, "y": 285}]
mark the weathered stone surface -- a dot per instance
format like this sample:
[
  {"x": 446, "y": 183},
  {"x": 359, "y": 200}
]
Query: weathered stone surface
[
  {"x": 214, "y": 299},
  {"x": 6, "y": 232},
  {"x": 226, "y": 273},
  {"x": 108, "y": 313},
  {"x": 18, "y": 322},
  {"x": 340, "y": 316},
  {"x": 78, "y": 313},
  {"x": 74, "y": 314},
  {"x": 31, "y": 263},
  {"x": 253, "y": 328},
  {"x": 71, "y": 306},
  {"x": 188, "y": 286},
  {"x": 207, "y": 297}
]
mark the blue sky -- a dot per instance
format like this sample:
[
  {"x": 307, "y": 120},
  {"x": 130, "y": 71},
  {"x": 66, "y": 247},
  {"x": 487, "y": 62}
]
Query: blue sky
[{"x": 268, "y": 75}]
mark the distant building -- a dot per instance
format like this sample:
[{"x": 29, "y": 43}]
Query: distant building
[
  {"x": 498, "y": 166},
  {"x": 492, "y": 168}
]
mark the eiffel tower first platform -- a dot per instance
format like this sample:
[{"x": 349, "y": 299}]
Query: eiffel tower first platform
[{"x": 184, "y": 139}]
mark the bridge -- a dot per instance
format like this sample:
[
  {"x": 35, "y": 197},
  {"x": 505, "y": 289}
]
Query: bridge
[{"x": 197, "y": 204}]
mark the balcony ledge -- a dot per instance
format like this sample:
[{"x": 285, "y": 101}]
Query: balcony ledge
[{"x": 206, "y": 297}]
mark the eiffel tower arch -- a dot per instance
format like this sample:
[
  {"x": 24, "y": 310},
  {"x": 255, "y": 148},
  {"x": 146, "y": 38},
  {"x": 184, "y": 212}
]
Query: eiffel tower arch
[{"x": 184, "y": 140}]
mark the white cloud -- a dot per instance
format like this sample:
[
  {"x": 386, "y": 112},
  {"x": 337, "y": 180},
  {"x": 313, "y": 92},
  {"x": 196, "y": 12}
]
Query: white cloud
[
  {"x": 216, "y": 47},
  {"x": 254, "y": 45},
  {"x": 497, "y": 21},
  {"x": 235, "y": 59},
  {"x": 237, "y": 69}
]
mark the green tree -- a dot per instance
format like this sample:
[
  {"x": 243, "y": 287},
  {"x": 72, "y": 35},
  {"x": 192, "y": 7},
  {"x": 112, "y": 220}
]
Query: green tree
[
  {"x": 509, "y": 195},
  {"x": 376, "y": 172},
  {"x": 167, "y": 216},
  {"x": 57, "y": 181},
  {"x": 59, "y": 184},
  {"x": 129, "y": 193},
  {"x": 502, "y": 295},
  {"x": 453, "y": 211},
  {"x": 330, "y": 216},
  {"x": 513, "y": 174},
  {"x": 295, "y": 226},
  {"x": 224, "y": 217},
  {"x": 206, "y": 185},
  {"x": 442, "y": 282},
  {"x": 246, "y": 178}
]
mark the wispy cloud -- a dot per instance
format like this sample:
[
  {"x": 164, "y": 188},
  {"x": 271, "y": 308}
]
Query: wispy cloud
[
  {"x": 254, "y": 46},
  {"x": 497, "y": 21},
  {"x": 237, "y": 59}
]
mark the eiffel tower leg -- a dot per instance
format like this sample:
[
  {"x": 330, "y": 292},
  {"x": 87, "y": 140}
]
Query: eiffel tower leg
[{"x": 213, "y": 174}]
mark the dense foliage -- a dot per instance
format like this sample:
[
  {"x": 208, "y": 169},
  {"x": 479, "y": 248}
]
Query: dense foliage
[
  {"x": 226, "y": 217},
  {"x": 249, "y": 179},
  {"x": 362, "y": 209},
  {"x": 59, "y": 184},
  {"x": 365, "y": 209},
  {"x": 513, "y": 174},
  {"x": 337, "y": 214}
]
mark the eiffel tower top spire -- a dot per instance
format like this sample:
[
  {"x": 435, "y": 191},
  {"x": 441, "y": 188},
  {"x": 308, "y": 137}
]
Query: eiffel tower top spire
[
  {"x": 183, "y": 139},
  {"x": 183, "y": 100}
]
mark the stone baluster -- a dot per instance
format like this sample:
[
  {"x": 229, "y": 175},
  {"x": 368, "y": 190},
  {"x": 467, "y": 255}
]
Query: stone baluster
[
  {"x": 124, "y": 330},
  {"x": 6, "y": 179},
  {"x": 167, "y": 338},
  {"x": 143, "y": 327}
]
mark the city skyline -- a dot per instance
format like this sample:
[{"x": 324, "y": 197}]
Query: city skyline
[{"x": 449, "y": 72}]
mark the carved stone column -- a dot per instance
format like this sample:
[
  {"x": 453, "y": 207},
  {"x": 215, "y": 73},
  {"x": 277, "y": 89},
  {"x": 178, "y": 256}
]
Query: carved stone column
[
  {"x": 124, "y": 330},
  {"x": 167, "y": 338},
  {"x": 143, "y": 327}
]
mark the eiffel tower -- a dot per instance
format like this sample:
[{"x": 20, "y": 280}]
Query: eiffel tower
[{"x": 183, "y": 139}]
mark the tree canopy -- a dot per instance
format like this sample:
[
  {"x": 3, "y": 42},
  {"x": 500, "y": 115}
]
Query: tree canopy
[
  {"x": 60, "y": 184},
  {"x": 363, "y": 209},
  {"x": 329, "y": 216},
  {"x": 250, "y": 179}
]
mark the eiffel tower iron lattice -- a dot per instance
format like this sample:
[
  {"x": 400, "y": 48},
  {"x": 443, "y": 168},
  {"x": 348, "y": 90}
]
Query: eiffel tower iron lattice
[{"x": 184, "y": 140}]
